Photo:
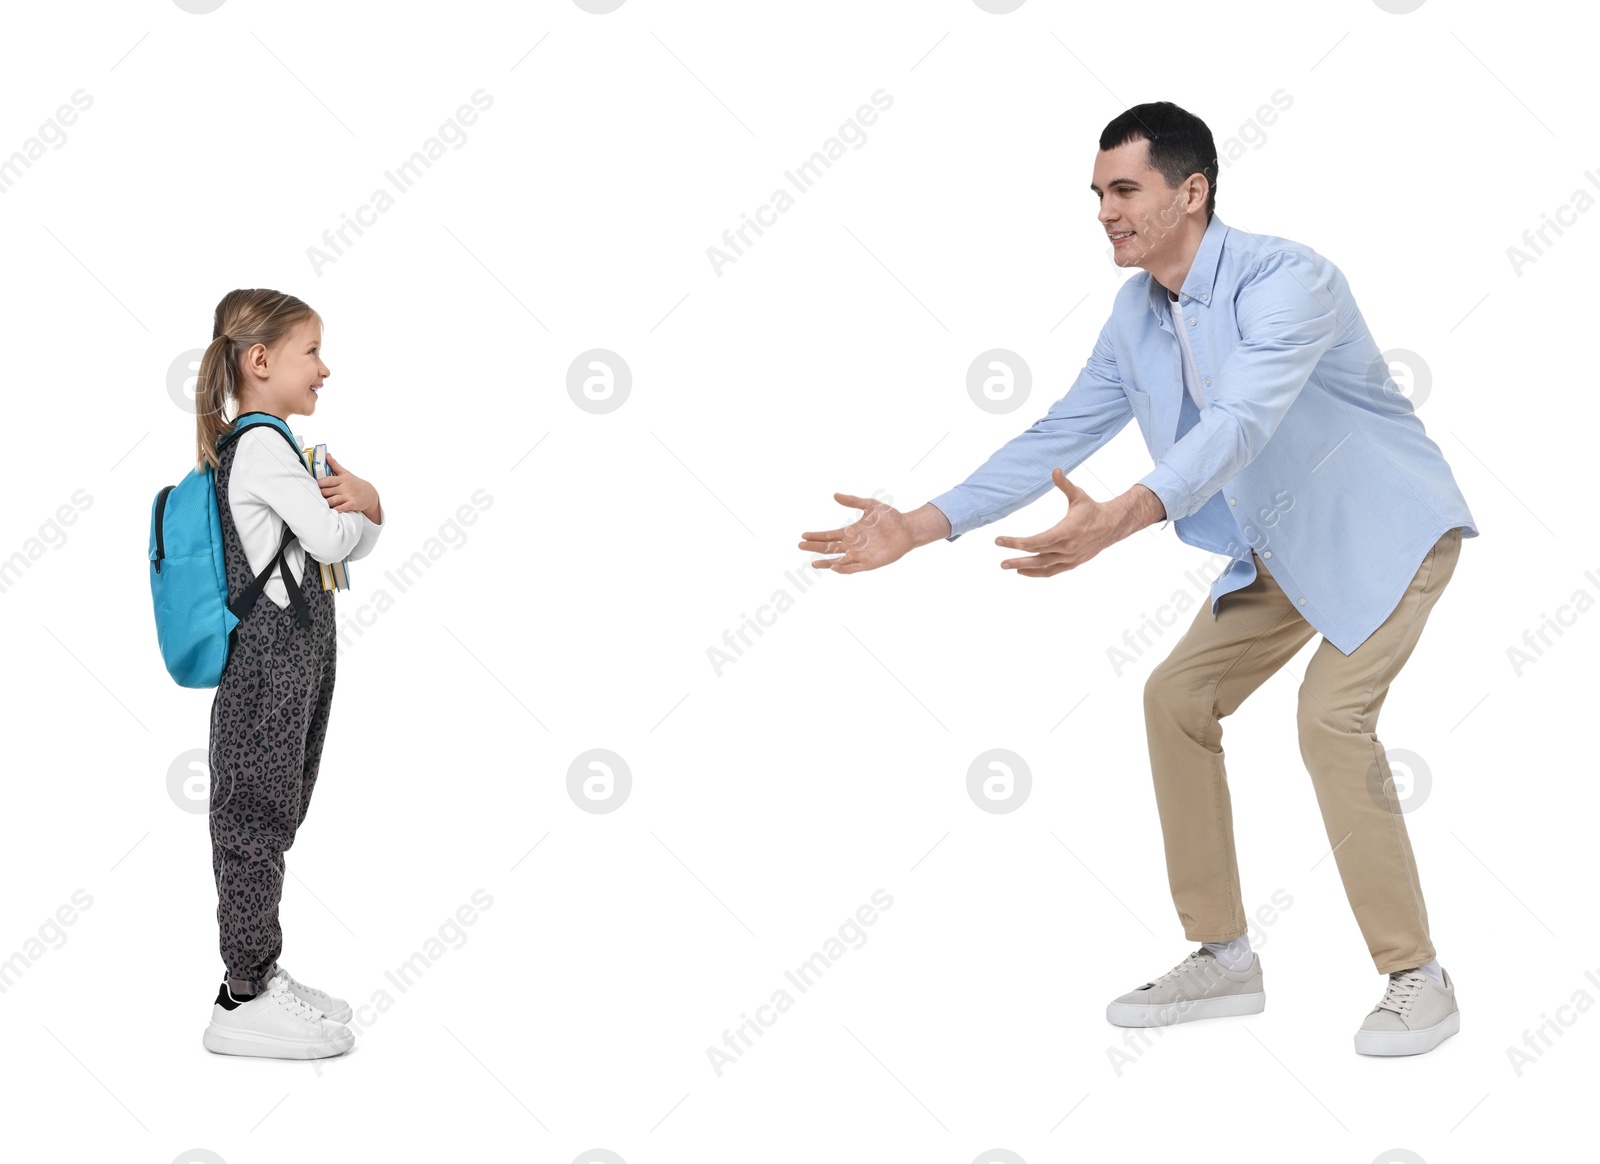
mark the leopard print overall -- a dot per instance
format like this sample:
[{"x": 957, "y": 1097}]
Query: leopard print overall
[{"x": 268, "y": 722}]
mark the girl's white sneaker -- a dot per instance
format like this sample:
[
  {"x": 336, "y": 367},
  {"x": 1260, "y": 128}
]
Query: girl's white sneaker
[
  {"x": 335, "y": 1008},
  {"x": 276, "y": 1025}
]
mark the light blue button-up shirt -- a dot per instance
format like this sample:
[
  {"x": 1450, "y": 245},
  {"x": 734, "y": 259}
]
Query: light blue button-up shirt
[{"x": 1306, "y": 452}]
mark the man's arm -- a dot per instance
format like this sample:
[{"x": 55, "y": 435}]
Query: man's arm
[
  {"x": 1287, "y": 319},
  {"x": 1137, "y": 508},
  {"x": 1134, "y": 509},
  {"x": 927, "y": 524},
  {"x": 1093, "y": 411}
]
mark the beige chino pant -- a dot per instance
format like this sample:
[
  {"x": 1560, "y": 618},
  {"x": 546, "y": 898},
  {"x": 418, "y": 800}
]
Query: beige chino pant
[{"x": 1210, "y": 672}]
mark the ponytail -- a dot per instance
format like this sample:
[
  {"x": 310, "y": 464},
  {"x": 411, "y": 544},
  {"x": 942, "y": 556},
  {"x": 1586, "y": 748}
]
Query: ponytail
[{"x": 217, "y": 384}]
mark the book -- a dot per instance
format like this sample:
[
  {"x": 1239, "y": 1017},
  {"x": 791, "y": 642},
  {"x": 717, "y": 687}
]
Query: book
[{"x": 335, "y": 575}]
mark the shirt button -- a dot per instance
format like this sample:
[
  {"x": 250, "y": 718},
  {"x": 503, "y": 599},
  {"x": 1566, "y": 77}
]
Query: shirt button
[
  {"x": 1208, "y": 381},
  {"x": 1191, "y": 321},
  {"x": 1266, "y": 553},
  {"x": 1205, "y": 295},
  {"x": 1302, "y": 602}
]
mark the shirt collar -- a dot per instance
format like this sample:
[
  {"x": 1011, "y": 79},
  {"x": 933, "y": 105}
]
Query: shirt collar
[{"x": 1201, "y": 280}]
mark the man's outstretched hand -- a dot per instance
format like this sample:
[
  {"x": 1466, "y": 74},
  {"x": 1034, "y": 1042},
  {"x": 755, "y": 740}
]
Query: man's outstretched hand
[
  {"x": 1089, "y": 527},
  {"x": 882, "y": 535}
]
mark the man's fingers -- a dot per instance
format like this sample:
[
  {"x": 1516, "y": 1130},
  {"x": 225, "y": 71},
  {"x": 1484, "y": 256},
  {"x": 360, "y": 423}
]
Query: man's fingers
[
  {"x": 833, "y": 535},
  {"x": 1073, "y": 492},
  {"x": 1049, "y": 571},
  {"x": 1039, "y": 562},
  {"x": 851, "y": 563},
  {"x": 827, "y": 535},
  {"x": 830, "y": 541},
  {"x": 839, "y": 565}
]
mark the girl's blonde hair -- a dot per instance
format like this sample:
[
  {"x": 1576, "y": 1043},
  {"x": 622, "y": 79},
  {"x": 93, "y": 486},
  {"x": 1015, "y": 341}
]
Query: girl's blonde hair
[{"x": 243, "y": 318}]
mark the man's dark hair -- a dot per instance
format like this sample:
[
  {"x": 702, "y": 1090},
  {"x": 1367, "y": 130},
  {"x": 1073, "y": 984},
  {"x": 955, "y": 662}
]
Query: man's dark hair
[{"x": 1180, "y": 143}]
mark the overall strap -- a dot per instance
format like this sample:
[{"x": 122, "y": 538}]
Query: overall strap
[{"x": 247, "y": 599}]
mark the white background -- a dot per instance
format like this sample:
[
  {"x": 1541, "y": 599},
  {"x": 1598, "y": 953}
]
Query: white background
[{"x": 768, "y": 802}]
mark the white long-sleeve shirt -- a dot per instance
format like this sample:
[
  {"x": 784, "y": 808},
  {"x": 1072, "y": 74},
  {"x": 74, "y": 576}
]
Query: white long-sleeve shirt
[
  {"x": 1191, "y": 375},
  {"x": 269, "y": 485}
]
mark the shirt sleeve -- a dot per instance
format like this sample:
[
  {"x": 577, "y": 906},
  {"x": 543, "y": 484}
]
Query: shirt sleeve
[
  {"x": 369, "y": 537},
  {"x": 1092, "y": 412},
  {"x": 1287, "y": 320},
  {"x": 267, "y": 470}
]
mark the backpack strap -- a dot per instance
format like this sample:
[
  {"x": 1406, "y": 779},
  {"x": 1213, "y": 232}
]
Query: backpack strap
[
  {"x": 240, "y": 429},
  {"x": 247, "y": 599}
]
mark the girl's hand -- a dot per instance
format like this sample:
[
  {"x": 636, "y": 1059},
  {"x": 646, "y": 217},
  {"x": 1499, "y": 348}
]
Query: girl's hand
[{"x": 347, "y": 493}]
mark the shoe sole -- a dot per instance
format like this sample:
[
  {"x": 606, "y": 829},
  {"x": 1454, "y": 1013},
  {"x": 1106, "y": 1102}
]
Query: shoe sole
[
  {"x": 1407, "y": 1042},
  {"x": 225, "y": 1042},
  {"x": 1136, "y": 1014}
]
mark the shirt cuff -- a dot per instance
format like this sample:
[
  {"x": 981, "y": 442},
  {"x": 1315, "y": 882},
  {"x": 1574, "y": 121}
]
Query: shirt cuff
[
  {"x": 1170, "y": 488},
  {"x": 957, "y": 513},
  {"x": 368, "y": 539}
]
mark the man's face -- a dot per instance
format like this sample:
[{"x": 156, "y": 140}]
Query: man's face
[{"x": 1136, "y": 202}]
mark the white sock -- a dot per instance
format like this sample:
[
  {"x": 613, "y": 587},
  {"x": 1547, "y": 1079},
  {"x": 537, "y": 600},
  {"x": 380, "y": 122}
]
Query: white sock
[
  {"x": 1235, "y": 955},
  {"x": 1433, "y": 970}
]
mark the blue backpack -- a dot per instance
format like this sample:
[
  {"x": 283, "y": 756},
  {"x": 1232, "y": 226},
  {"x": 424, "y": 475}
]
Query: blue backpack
[{"x": 195, "y": 622}]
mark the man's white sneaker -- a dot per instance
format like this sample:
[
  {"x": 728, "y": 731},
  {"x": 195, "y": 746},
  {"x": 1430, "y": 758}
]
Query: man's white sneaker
[
  {"x": 1199, "y": 987},
  {"x": 276, "y": 1025},
  {"x": 1414, "y": 1015},
  {"x": 335, "y": 1008}
]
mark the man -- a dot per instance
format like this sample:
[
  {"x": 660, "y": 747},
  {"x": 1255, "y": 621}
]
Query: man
[{"x": 1280, "y": 440}]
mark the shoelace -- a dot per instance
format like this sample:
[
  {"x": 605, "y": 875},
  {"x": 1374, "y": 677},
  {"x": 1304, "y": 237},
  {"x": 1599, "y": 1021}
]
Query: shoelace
[
  {"x": 1180, "y": 968},
  {"x": 288, "y": 979},
  {"x": 1402, "y": 991},
  {"x": 278, "y": 988}
]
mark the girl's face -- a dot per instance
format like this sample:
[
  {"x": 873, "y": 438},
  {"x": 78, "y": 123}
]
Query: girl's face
[{"x": 285, "y": 380}]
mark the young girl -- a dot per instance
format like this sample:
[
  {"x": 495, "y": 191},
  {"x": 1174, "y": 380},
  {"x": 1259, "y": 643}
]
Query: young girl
[{"x": 270, "y": 713}]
